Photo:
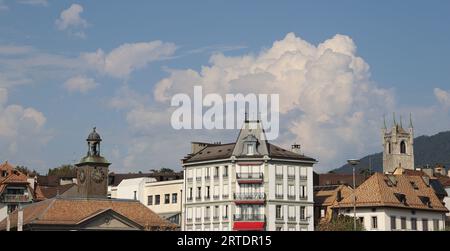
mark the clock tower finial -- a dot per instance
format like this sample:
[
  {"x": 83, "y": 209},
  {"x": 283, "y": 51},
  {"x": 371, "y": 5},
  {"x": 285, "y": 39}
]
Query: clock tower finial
[{"x": 92, "y": 171}]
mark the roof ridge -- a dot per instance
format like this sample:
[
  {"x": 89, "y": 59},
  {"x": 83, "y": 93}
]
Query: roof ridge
[{"x": 45, "y": 211}]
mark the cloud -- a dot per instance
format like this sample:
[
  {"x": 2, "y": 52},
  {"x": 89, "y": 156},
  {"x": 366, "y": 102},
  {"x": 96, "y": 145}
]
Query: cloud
[
  {"x": 80, "y": 84},
  {"x": 34, "y": 2},
  {"x": 71, "y": 20},
  {"x": 328, "y": 102},
  {"x": 443, "y": 97},
  {"x": 3, "y": 6},
  {"x": 18, "y": 125},
  {"x": 14, "y": 50},
  {"x": 125, "y": 59}
]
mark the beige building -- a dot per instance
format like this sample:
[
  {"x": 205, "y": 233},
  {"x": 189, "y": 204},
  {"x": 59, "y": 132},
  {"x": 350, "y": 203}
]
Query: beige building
[{"x": 165, "y": 198}]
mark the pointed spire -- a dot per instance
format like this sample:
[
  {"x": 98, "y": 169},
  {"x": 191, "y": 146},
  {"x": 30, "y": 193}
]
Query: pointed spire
[
  {"x": 395, "y": 122},
  {"x": 401, "y": 121},
  {"x": 410, "y": 121},
  {"x": 384, "y": 121}
]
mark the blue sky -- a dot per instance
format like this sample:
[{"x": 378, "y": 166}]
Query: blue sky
[{"x": 405, "y": 44}]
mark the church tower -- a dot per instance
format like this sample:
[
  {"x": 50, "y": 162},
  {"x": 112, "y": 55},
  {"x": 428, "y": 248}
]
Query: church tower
[
  {"x": 92, "y": 171},
  {"x": 398, "y": 146}
]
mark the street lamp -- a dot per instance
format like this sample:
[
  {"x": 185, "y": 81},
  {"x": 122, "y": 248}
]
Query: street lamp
[{"x": 353, "y": 163}]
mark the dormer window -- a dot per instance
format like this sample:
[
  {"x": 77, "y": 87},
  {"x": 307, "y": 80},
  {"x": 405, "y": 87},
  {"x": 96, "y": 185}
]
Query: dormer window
[
  {"x": 250, "y": 149},
  {"x": 249, "y": 146}
]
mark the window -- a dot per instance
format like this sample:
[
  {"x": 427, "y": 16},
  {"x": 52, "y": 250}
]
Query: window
[
  {"x": 402, "y": 147},
  {"x": 425, "y": 224},
  {"x": 403, "y": 223},
  {"x": 198, "y": 213},
  {"x": 225, "y": 190},
  {"x": 393, "y": 223},
  {"x": 291, "y": 172},
  {"x": 207, "y": 213},
  {"x": 250, "y": 149},
  {"x": 374, "y": 222},
  {"x": 216, "y": 172},
  {"x": 199, "y": 192},
  {"x": 135, "y": 197},
  {"x": 216, "y": 212},
  {"x": 413, "y": 224},
  {"x": 279, "y": 191},
  {"x": 279, "y": 172},
  {"x": 322, "y": 213},
  {"x": 389, "y": 148},
  {"x": 167, "y": 198},
  {"x": 207, "y": 192},
  {"x": 189, "y": 214},
  {"x": 157, "y": 199},
  {"x": 291, "y": 213},
  {"x": 225, "y": 212},
  {"x": 302, "y": 213},
  {"x": 279, "y": 214},
  {"x": 216, "y": 192},
  {"x": 149, "y": 200},
  {"x": 208, "y": 172},
  {"x": 174, "y": 198},
  {"x": 361, "y": 220},
  {"x": 225, "y": 171},
  {"x": 291, "y": 191},
  {"x": 302, "y": 192},
  {"x": 190, "y": 193},
  {"x": 436, "y": 225}
]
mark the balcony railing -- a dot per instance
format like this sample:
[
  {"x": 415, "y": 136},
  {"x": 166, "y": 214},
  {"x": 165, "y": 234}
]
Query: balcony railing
[
  {"x": 207, "y": 197},
  {"x": 250, "y": 176},
  {"x": 198, "y": 198},
  {"x": 190, "y": 179},
  {"x": 207, "y": 218},
  {"x": 207, "y": 177},
  {"x": 279, "y": 196},
  {"x": 216, "y": 197},
  {"x": 303, "y": 197},
  {"x": 248, "y": 217},
  {"x": 291, "y": 176},
  {"x": 15, "y": 198},
  {"x": 278, "y": 176},
  {"x": 249, "y": 196},
  {"x": 189, "y": 198},
  {"x": 291, "y": 218},
  {"x": 303, "y": 177},
  {"x": 291, "y": 197},
  {"x": 225, "y": 196}
]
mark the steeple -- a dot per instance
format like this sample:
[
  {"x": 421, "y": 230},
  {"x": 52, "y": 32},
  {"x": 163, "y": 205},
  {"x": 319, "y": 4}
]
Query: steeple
[
  {"x": 401, "y": 122},
  {"x": 410, "y": 121},
  {"x": 395, "y": 122},
  {"x": 384, "y": 121}
]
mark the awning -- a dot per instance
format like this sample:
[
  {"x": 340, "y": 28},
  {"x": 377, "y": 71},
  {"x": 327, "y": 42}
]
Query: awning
[{"x": 248, "y": 226}]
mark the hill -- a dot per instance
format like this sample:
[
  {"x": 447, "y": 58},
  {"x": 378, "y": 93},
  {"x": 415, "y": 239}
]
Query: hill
[{"x": 428, "y": 150}]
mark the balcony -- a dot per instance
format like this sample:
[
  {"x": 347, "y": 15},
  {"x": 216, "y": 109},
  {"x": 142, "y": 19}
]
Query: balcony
[
  {"x": 291, "y": 197},
  {"x": 199, "y": 178},
  {"x": 207, "y": 197},
  {"x": 291, "y": 177},
  {"x": 279, "y": 196},
  {"x": 189, "y": 199},
  {"x": 207, "y": 178},
  {"x": 216, "y": 177},
  {"x": 15, "y": 198},
  {"x": 248, "y": 217},
  {"x": 279, "y": 176},
  {"x": 216, "y": 197},
  {"x": 303, "y": 197},
  {"x": 303, "y": 177},
  {"x": 198, "y": 198},
  {"x": 207, "y": 218},
  {"x": 249, "y": 178},
  {"x": 190, "y": 180},
  {"x": 249, "y": 198},
  {"x": 225, "y": 196}
]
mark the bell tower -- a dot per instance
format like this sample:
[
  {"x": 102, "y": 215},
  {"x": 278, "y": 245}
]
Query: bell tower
[
  {"x": 92, "y": 171},
  {"x": 398, "y": 146}
]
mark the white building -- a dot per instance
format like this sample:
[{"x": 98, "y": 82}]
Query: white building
[
  {"x": 247, "y": 185},
  {"x": 163, "y": 197},
  {"x": 395, "y": 202}
]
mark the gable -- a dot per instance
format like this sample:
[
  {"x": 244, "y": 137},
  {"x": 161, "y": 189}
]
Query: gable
[{"x": 109, "y": 220}]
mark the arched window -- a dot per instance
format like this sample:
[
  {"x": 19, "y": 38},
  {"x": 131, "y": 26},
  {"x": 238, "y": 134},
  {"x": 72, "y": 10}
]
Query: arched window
[
  {"x": 403, "y": 147},
  {"x": 389, "y": 147}
]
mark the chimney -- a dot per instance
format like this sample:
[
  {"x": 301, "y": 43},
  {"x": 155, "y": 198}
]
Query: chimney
[
  {"x": 20, "y": 219},
  {"x": 296, "y": 148},
  {"x": 197, "y": 146}
]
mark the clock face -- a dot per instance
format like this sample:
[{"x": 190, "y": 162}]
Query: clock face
[
  {"x": 98, "y": 175},
  {"x": 82, "y": 176}
]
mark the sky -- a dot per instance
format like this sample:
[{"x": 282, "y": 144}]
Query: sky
[{"x": 338, "y": 66}]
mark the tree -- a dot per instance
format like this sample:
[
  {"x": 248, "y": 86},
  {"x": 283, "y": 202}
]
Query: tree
[
  {"x": 340, "y": 223},
  {"x": 63, "y": 171},
  {"x": 162, "y": 170},
  {"x": 25, "y": 170}
]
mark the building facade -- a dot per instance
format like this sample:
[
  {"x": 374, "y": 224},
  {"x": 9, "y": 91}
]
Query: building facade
[
  {"x": 398, "y": 147},
  {"x": 387, "y": 202},
  {"x": 247, "y": 185}
]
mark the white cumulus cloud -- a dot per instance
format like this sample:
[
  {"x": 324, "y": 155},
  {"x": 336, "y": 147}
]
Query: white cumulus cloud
[
  {"x": 442, "y": 96},
  {"x": 125, "y": 59},
  {"x": 70, "y": 19},
  {"x": 328, "y": 102},
  {"x": 80, "y": 84}
]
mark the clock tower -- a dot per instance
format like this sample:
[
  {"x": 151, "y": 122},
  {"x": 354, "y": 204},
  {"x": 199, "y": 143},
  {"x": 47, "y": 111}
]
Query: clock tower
[{"x": 92, "y": 171}]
